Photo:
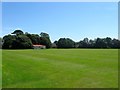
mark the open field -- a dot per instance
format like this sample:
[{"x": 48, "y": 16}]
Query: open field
[
  {"x": 60, "y": 68},
  {"x": 0, "y": 68}
]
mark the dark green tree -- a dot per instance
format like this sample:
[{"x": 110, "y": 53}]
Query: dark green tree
[
  {"x": 7, "y": 41},
  {"x": 45, "y": 39},
  {"x": 115, "y": 43},
  {"x": 16, "y": 42},
  {"x": 100, "y": 43},
  {"x": 108, "y": 42},
  {"x": 42, "y": 34},
  {"x": 91, "y": 43},
  {"x": 84, "y": 43},
  {"x": 0, "y": 42},
  {"x": 65, "y": 43},
  {"x": 18, "y": 32},
  {"x": 35, "y": 38},
  {"x": 21, "y": 42}
]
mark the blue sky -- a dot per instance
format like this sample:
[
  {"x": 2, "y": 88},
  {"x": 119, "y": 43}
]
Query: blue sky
[{"x": 60, "y": 19}]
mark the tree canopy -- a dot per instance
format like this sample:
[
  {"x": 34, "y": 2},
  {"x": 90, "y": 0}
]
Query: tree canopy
[
  {"x": 0, "y": 42},
  {"x": 25, "y": 41},
  {"x": 19, "y": 40},
  {"x": 65, "y": 43},
  {"x": 22, "y": 42},
  {"x": 35, "y": 38},
  {"x": 45, "y": 39},
  {"x": 18, "y": 32},
  {"x": 16, "y": 42}
]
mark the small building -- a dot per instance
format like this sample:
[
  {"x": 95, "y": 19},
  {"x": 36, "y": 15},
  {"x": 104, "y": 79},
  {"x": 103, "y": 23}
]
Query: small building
[{"x": 39, "y": 46}]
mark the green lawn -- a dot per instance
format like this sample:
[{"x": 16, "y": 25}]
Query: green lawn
[
  {"x": 60, "y": 68},
  {"x": 0, "y": 68}
]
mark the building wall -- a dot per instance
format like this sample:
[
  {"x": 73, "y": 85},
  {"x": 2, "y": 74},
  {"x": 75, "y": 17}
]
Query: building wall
[{"x": 39, "y": 47}]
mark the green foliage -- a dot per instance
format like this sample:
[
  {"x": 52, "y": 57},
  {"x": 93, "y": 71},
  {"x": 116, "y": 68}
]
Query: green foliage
[
  {"x": 0, "y": 42},
  {"x": 45, "y": 35},
  {"x": 18, "y": 32},
  {"x": 115, "y": 43},
  {"x": 60, "y": 68},
  {"x": 21, "y": 42},
  {"x": 45, "y": 39},
  {"x": 65, "y": 43},
  {"x": 34, "y": 38},
  {"x": 25, "y": 41},
  {"x": 7, "y": 41},
  {"x": 99, "y": 43},
  {"x": 16, "y": 42}
]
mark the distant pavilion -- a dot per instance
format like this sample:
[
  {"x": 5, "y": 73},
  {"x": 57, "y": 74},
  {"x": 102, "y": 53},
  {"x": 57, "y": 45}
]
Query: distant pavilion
[{"x": 38, "y": 46}]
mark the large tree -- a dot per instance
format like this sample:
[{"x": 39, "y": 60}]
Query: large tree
[
  {"x": 45, "y": 39},
  {"x": 18, "y": 32},
  {"x": 100, "y": 43},
  {"x": 42, "y": 34},
  {"x": 91, "y": 43},
  {"x": 17, "y": 41},
  {"x": 0, "y": 42},
  {"x": 115, "y": 43},
  {"x": 35, "y": 38},
  {"x": 22, "y": 42},
  {"x": 65, "y": 43},
  {"x": 7, "y": 41},
  {"x": 108, "y": 42}
]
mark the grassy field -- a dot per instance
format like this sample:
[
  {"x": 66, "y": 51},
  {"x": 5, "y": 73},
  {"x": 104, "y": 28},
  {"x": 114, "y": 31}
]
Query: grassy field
[
  {"x": 60, "y": 68},
  {"x": 0, "y": 68}
]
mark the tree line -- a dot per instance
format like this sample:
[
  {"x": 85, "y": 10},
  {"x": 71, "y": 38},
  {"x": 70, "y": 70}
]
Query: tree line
[
  {"x": 86, "y": 43},
  {"x": 20, "y": 40}
]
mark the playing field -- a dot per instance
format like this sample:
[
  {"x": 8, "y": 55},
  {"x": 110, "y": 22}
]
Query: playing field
[{"x": 60, "y": 68}]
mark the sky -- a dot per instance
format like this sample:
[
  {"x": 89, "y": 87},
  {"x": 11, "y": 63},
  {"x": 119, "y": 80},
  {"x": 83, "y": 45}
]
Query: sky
[
  {"x": 75, "y": 20},
  {"x": 60, "y": 0}
]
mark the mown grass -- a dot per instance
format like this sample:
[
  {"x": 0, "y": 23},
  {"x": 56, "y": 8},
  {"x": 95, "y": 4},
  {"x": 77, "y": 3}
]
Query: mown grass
[
  {"x": 60, "y": 68},
  {"x": 0, "y": 69}
]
